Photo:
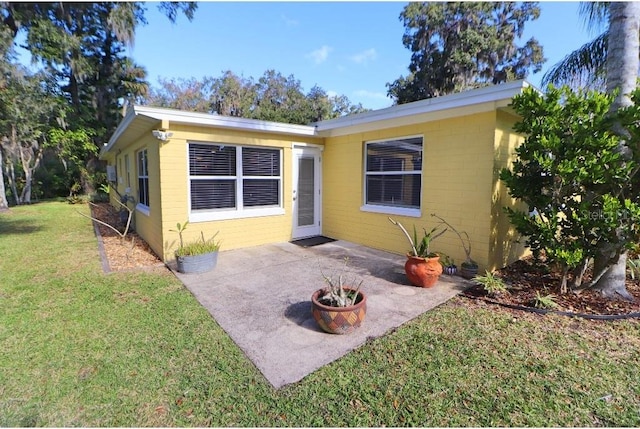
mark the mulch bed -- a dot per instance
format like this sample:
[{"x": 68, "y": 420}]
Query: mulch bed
[
  {"x": 129, "y": 254},
  {"x": 526, "y": 278}
]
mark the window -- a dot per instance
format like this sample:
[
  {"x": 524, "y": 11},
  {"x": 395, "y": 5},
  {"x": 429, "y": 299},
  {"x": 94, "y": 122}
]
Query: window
[
  {"x": 234, "y": 181},
  {"x": 393, "y": 175},
  {"x": 143, "y": 179}
]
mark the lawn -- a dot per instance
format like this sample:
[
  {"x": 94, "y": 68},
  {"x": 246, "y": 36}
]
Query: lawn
[{"x": 81, "y": 348}]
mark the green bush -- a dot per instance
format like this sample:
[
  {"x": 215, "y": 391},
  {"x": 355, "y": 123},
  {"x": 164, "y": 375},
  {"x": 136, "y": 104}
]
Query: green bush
[{"x": 570, "y": 175}]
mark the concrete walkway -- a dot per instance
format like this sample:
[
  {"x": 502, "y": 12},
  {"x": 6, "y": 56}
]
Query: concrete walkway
[{"x": 261, "y": 296}]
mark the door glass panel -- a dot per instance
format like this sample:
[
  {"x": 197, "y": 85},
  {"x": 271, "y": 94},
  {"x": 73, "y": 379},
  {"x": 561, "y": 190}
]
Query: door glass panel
[{"x": 306, "y": 206}]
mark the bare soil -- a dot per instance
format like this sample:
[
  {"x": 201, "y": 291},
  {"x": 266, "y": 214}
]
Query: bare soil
[{"x": 129, "y": 254}]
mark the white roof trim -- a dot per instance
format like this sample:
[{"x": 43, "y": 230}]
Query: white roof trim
[
  {"x": 490, "y": 94},
  {"x": 467, "y": 102},
  {"x": 122, "y": 126},
  {"x": 207, "y": 119}
]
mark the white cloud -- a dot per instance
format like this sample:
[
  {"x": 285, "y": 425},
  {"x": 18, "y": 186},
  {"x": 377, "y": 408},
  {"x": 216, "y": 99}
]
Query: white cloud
[
  {"x": 320, "y": 55},
  {"x": 364, "y": 56},
  {"x": 332, "y": 93},
  {"x": 289, "y": 22},
  {"x": 370, "y": 94}
]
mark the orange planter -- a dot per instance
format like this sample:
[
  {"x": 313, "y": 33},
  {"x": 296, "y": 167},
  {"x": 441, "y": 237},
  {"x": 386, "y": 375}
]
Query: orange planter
[
  {"x": 423, "y": 272},
  {"x": 339, "y": 320}
]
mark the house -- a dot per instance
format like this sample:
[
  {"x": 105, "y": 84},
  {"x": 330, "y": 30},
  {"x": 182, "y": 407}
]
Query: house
[{"x": 259, "y": 182}]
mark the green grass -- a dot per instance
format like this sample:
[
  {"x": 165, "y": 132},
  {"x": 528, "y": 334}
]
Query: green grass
[{"x": 81, "y": 348}]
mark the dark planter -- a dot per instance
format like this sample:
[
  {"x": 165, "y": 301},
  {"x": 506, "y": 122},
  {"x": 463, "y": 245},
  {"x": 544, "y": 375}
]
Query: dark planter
[
  {"x": 197, "y": 263},
  {"x": 338, "y": 320},
  {"x": 451, "y": 270},
  {"x": 423, "y": 272},
  {"x": 468, "y": 271}
]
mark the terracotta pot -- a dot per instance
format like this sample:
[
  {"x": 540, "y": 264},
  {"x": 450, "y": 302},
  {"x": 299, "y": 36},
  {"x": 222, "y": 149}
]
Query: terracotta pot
[
  {"x": 423, "y": 272},
  {"x": 338, "y": 320}
]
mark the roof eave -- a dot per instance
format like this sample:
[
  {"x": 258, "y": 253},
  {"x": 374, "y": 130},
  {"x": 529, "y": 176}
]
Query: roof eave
[
  {"x": 120, "y": 129},
  {"x": 231, "y": 122},
  {"x": 172, "y": 116},
  {"x": 491, "y": 97}
]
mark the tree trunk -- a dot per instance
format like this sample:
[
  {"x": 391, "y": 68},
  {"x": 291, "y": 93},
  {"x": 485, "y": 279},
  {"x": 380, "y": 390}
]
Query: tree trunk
[
  {"x": 25, "y": 197},
  {"x": 623, "y": 47},
  {"x": 11, "y": 168},
  {"x": 4, "y": 205},
  {"x": 622, "y": 74},
  {"x": 30, "y": 160},
  {"x": 612, "y": 283},
  {"x": 11, "y": 176},
  {"x": 87, "y": 175},
  {"x": 579, "y": 272}
]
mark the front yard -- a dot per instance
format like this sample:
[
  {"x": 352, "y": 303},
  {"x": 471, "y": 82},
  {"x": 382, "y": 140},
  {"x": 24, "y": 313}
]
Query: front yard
[{"x": 81, "y": 348}]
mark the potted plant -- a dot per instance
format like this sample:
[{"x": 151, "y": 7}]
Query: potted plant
[
  {"x": 338, "y": 308},
  {"x": 423, "y": 266},
  {"x": 198, "y": 256},
  {"x": 469, "y": 268}
]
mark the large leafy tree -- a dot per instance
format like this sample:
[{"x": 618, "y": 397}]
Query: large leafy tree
[
  {"x": 183, "y": 94},
  {"x": 581, "y": 189},
  {"x": 83, "y": 45},
  {"x": 7, "y": 68},
  {"x": 232, "y": 95},
  {"x": 461, "y": 45},
  {"x": 273, "y": 97},
  {"x": 611, "y": 62},
  {"x": 28, "y": 110}
]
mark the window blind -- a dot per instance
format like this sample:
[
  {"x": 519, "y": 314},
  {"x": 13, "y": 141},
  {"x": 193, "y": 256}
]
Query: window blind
[{"x": 393, "y": 172}]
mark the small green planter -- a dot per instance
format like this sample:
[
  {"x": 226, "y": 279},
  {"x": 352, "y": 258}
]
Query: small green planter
[
  {"x": 468, "y": 271},
  {"x": 198, "y": 263}
]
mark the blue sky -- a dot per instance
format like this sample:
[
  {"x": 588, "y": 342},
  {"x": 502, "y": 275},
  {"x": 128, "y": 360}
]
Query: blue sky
[{"x": 350, "y": 48}]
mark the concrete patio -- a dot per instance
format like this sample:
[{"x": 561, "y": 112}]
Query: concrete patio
[{"x": 261, "y": 296}]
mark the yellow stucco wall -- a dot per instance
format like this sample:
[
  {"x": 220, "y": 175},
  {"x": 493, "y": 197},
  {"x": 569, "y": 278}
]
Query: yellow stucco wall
[
  {"x": 459, "y": 178},
  {"x": 506, "y": 244},
  {"x": 148, "y": 226},
  {"x": 234, "y": 233},
  {"x": 462, "y": 158}
]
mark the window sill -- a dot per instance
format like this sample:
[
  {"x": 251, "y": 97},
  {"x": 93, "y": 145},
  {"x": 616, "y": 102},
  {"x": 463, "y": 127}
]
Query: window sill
[
  {"x": 143, "y": 209},
  {"x": 398, "y": 211},
  {"x": 206, "y": 216}
]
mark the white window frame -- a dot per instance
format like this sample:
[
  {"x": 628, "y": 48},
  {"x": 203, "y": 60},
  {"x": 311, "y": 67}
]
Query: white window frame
[
  {"x": 388, "y": 209},
  {"x": 238, "y": 212},
  {"x": 143, "y": 208},
  {"x": 127, "y": 167}
]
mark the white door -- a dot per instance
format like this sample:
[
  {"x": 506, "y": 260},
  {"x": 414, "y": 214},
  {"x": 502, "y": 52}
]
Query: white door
[{"x": 306, "y": 192}]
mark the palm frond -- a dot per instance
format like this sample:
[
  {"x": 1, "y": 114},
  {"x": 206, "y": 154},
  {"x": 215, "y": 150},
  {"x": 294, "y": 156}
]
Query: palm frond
[
  {"x": 595, "y": 15},
  {"x": 584, "y": 67}
]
